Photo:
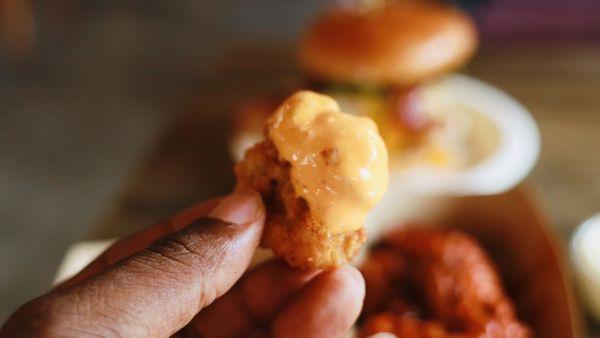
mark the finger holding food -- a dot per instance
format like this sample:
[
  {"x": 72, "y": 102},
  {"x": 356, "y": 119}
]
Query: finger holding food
[{"x": 319, "y": 171}]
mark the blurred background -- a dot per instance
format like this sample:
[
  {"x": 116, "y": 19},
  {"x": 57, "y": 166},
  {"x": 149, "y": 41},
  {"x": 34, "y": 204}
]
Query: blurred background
[{"x": 86, "y": 88}]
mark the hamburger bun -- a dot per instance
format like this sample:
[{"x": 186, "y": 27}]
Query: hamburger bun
[{"x": 399, "y": 44}]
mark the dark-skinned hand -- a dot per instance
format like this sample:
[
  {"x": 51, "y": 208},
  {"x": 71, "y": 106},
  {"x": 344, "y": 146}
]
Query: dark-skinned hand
[{"x": 187, "y": 276}]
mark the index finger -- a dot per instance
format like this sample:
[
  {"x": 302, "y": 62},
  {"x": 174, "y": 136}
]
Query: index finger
[{"x": 137, "y": 241}]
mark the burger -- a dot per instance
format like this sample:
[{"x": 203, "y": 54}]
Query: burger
[{"x": 383, "y": 62}]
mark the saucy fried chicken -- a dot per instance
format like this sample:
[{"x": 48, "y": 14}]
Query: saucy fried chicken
[
  {"x": 319, "y": 172},
  {"x": 436, "y": 283}
]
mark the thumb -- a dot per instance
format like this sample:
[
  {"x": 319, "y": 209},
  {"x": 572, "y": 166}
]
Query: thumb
[{"x": 158, "y": 290}]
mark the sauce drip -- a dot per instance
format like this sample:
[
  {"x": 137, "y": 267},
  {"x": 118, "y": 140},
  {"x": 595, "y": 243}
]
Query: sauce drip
[{"x": 339, "y": 163}]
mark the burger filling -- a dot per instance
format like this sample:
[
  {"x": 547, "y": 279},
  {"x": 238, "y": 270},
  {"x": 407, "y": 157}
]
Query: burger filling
[{"x": 404, "y": 121}]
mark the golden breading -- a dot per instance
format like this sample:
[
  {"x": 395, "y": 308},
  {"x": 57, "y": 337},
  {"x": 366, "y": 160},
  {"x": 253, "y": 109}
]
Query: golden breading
[{"x": 290, "y": 230}]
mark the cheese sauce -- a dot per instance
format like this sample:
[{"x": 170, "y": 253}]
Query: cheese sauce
[{"x": 339, "y": 163}]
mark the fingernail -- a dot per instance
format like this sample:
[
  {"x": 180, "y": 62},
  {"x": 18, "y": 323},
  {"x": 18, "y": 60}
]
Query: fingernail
[{"x": 239, "y": 208}]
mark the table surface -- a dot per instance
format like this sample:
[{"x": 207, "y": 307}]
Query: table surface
[{"x": 561, "y": 87}]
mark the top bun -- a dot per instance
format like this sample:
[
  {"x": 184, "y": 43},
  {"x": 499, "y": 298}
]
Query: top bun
[{"x": 399, "y": 44}]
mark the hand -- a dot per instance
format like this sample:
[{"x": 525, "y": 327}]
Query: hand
[{"x": 186, "y": 276}]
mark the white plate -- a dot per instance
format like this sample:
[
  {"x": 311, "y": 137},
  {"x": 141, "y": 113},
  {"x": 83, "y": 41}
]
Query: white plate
[{"x": 508, "y": 164}]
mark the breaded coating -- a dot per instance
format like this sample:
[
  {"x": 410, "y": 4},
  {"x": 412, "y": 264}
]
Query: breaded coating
[
  {"x": 320, "y": 171},
  {"x": 290, "y": 230},
  {"x": 442, "y": 285}
]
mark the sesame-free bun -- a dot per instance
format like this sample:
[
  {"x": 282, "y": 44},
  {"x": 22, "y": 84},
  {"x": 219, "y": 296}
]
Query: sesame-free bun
[{"x": 399, "y": 44}]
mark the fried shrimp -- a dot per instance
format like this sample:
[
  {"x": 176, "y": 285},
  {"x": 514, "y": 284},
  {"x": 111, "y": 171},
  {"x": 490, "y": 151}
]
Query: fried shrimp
[
  {"x": 319, "y": 172},
  {"x": 436, "y": 283}
]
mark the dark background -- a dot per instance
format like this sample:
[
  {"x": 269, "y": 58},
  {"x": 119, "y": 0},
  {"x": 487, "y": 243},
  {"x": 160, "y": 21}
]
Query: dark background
[{"x": 85, "y": 91}]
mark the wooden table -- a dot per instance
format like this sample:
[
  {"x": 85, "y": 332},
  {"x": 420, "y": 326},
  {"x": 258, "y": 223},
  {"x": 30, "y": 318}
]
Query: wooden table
[{"x": 560, "y": 85}]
